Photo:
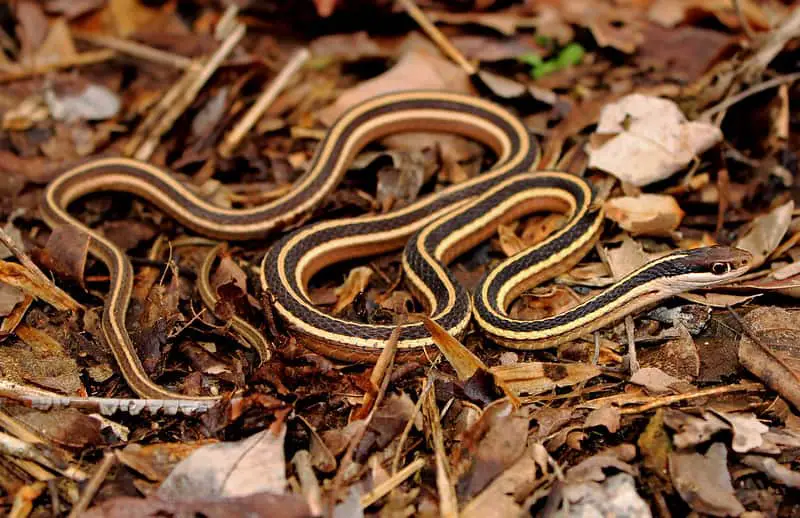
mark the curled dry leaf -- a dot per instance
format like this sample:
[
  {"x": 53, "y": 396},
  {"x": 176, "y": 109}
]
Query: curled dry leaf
[
  {"x": 747, "y": 431},
  {"x": 65, "y": 252},
  {"x": 646, "y": 139},
  {"x": 616, "y": 496},
  {"x": 156, "y": 461},
  {"x": 772, "y": 352},
  {"x": 95, "y": 102},
  {"x": 646, "y": 214},
  {"x": 766, "y": 233},
  {"x": 356, "y": 282},
  {"x": 703, "y": 481}
]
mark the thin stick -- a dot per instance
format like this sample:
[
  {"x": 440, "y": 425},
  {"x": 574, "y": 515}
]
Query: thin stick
[
  {"x": 407, "y": 430},
  {"x": 347, "y": 459},
  {"x": 137, "y": 50},
  {"x": 21, "y": 256},
  {"x": 267, "y": 97},
  {"x": 766, "y": 85},
  {"x": 436, "y": 35},
  {"x": 633, "y": 363},
  {"x": 398, "y": 478},
  {"x": 743, "y": 20},
  {"x": 379, "y": 372},
  {"x": 714, "y": 391},
  {"x": 93, "y": 485},
  {"x": 84, "y": 58},
  {"x": 189, "y": 95}
]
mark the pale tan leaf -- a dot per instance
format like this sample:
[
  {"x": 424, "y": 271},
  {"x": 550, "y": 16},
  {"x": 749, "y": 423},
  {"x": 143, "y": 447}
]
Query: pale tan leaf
[
  {"x": 650, "y": 139},
  {"x": 646, "y": 214},
  {"x": 766, "y": 233}
]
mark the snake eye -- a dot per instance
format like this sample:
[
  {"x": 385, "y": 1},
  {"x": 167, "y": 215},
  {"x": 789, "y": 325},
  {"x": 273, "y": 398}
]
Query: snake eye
[{"x": 720, "y": 268}]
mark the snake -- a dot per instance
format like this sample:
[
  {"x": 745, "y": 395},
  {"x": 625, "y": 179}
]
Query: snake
[{"x": 432, "y": 231}]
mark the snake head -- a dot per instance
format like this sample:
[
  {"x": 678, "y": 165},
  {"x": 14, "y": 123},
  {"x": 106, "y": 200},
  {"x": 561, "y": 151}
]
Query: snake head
[{"x": 701, "y": 267}]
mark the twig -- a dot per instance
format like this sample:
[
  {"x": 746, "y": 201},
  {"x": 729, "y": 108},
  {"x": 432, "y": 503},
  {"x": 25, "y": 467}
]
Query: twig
[
  {"x": 84, "y": 58},
  {"x": 788, "y": 30},
  {"x": 448, "y": 502},
  {"x": 267, "y": 97},
  {"x": 766, "y": 85},
  {"x": 44, "y": 400},
  {"x": 23, "y": 499},
  {"x": 743, "y": 20},
  {"x": 308, "y": 481},
  {"x": 407, "y": 430},
  {"x": 137, "y": 50},
  {"x": 227, "y": 22},
  {"x": 193, "y": 88},
  {"x": 436, "y": 35},
  {"x": 398, "y": 478},
  {"x": 20, "y": 254},
  {"x": 347, "y": 459},
  {"x": 379, "y": 372},
  {"x": 93, "y": 485},
  {"x": 714, "y": 391},
  {"x": 633, "y": 362}
]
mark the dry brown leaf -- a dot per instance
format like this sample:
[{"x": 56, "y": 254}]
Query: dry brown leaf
[
  {"x": 607, "y": 416},
  {"x": 770, "y": 467},
  {"x": 356, "y": 282},
  {"x": 20, "y": 277},
  {"x": 628, "y": 257},
  {"x": 703, "y": 481},
  {"x": 670, "y": 13},
  {"x": 657, "y": 381},
  {"x": 66, "y": 252},
  {"x": 773, "y": 353},
  {"x": 646, "y": 214},
  {"x": 231, "y": 469},
  {"x": 505, "y": 23},
  {"x": 416, "y": 69},
  {"x": 42, "y": 361},
  {"x": 693, "y": 430},
  {"x": 156, "y": 461},
  {"x": 647, "y": 139},
  {"x": 678, "y": 358},
  {"x": 766, "y": 233},
  {"x": 9, "y": 298},
  {"x": 748, "y": 431},
  {"x": 536, "y": 377},
  {"x": 510, "y": 242}
]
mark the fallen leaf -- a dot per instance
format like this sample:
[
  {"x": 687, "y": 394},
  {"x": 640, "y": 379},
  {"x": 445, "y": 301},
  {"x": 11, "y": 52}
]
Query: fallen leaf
[
  {"x": 766, "y": 233},
  {"x": 416, "y": 69},
  {"x": 646, "y": 214},
  {"x": 770, "y": 467},
  {"x": 678, "y": 358},
  {"x": 615, "y": 496},
  {"x": 684, "y": 52},
  {"x": 593, "y": 469},
  {"x": 655, "y": 446},
  {"x": 607, "y": 416},
  {"x": 497, "y": 449},
  {"x": 747, "y": 430},
  {"x": 156, "y": 461},
  {"x": 693, "y": 430},
  {"x": 356, "y": 282},
  {"x": 231, "y": 469},
  {"x": 65, "y": 252},
  {"x": 32, "y": 284},
  {"x": 95, "y": 102},
  {"x": 670, "y": 13},
  {"x": 65, "y": 427},
  {"x": 41, "y": 360},
  {"x": 703, "y": 481},
  {"x": 9, "y": 298},
  {"x": 256, "y": 505},
  {"x": 647, "y": 139},
  {"x": 72, "y": 8},
  {"x": 656, "y": 380},
  {"x": 772, "y": 353},
  {"x": 626, "y": 258},
  {"x": 536, "y": 377}
]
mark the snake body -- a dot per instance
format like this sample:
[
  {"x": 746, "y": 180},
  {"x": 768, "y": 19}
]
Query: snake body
[{"x": 433, "y": 230}]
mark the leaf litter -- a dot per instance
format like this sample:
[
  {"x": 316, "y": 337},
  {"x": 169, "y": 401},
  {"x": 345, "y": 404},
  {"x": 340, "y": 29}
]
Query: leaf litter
[{"x": 680, "y": 113}]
